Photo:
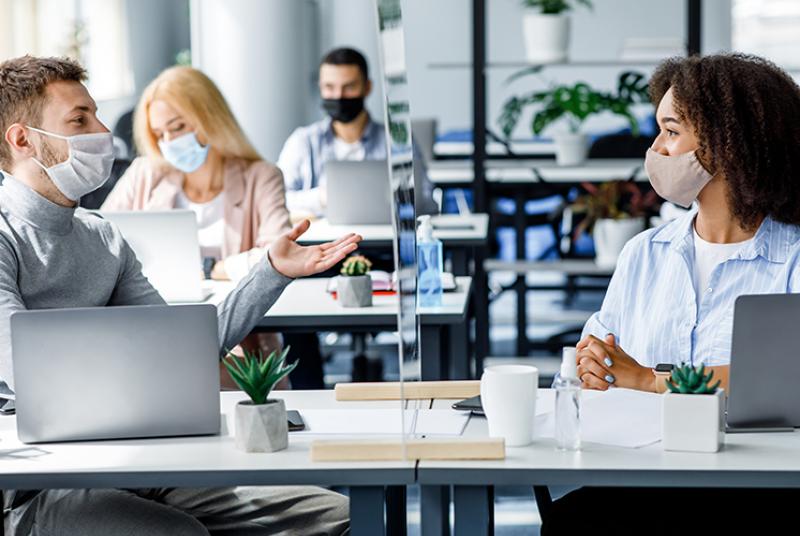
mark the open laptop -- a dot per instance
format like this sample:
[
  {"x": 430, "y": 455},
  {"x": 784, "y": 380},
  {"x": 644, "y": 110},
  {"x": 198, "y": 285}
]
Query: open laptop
[
  {"x": 116, "y": 372},
  {"x": 765, "y": 366},
  {"x": 166, "y": 244},
  {"x": 359, "y": 192}
]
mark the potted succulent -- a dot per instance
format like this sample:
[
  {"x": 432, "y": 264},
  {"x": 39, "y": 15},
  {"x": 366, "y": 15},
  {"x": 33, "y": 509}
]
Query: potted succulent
[
  {"x": 545, "y": 29},
  {"x": 614, "y": 212},
  {"x": 574, "y": 104},
  {"x": 693, "y": 411},
  {"x": 261, "y": 423},
  {"x": 354, "y": 285}
]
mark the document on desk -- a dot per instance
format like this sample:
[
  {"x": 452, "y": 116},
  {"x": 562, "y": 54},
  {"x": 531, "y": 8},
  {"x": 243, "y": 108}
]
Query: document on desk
[
  {"x": 419, "y": 422},
  {"x": 617, "y": 417}
]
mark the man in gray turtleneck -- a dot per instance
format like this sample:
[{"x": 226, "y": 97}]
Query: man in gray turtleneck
[{"x": 54, "y": 255}]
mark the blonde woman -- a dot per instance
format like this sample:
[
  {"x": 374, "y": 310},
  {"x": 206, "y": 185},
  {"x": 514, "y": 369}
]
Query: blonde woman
[{"x": 195, "y": 156}]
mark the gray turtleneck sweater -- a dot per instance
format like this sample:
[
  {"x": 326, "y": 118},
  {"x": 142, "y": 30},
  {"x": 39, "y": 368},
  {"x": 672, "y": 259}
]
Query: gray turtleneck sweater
[{"x": 57, "y": 257}]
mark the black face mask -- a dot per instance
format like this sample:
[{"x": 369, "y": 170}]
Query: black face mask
[{"x": 343, "y": 110}]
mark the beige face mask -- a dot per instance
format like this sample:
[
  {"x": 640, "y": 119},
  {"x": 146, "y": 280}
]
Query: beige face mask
[{"x": 678, "y": 179}]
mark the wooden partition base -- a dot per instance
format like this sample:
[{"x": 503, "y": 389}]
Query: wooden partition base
[
  {"x": 411, "y": 390},
  {"x": 415, "y": 449}
]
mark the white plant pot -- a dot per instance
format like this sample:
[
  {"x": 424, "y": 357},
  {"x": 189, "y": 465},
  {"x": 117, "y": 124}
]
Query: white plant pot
[
  {"x": 354, "y": 291},
  {"x": 571, "y": 149},
  {"x": 546, "y": 37},
  {"x": 694, "y": 423},
  {"x": 262, "y": 427},
  {"x": 610, "y": 236}
]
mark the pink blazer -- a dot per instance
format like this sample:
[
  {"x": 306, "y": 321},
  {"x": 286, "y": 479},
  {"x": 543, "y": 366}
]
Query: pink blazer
[{"x": 255, "y": 204}]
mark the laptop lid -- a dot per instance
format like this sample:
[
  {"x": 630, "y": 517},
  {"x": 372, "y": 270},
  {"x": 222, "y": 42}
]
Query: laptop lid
[
  {"x": 116, "y": 372},
  {"x": 358, "y": 192},
  {"x": 765, "y": 369},
  {"x": 166, "y": 244}
]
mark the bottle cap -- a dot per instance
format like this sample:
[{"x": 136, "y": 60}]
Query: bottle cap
[
  {"x": 569, "y": 366},
  {"x": 425, "y": 231}
]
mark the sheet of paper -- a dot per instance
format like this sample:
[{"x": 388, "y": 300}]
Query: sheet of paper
[
  {"x": 428, "y": 422},
  {"x": 617, "y": 417}
]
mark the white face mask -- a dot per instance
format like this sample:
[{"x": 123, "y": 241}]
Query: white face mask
[
  {"x": 88, "y": 166},
  {"x": 678, "y": 179}
]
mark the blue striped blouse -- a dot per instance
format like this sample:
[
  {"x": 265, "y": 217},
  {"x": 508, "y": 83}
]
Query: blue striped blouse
[{"x": 651, "y": 305}]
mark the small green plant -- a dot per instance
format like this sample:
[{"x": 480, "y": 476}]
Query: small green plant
[
  {"x": 356, "y": 265},
  {"x": 256, "y": 375},
  {"x": 554, "y": 7},
  {"x": 690, "y": 380},
  {"x": 574, "y": 103}
]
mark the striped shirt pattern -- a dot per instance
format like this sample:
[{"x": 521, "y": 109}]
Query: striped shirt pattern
[{"x": 651, "y": 305}]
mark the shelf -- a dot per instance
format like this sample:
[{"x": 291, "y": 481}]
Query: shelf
[{"x": 524, "y": 65}]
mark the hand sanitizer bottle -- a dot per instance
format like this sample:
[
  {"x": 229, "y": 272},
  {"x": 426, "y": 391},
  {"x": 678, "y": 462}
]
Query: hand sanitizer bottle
[
  {"x": 429, "y": 265},
  {"x": 568, "y": 403}
]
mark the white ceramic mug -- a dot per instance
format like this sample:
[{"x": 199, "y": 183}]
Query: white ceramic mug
[{"x": 508, "y": 396}]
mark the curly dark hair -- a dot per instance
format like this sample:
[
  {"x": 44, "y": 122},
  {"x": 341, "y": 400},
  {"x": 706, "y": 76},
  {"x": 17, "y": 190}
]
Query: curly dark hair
[{"x": 745, "y": 112}]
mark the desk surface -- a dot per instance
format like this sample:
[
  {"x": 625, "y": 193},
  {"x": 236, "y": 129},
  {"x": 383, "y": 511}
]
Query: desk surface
[
  {"x": 305, "y": 303},
  {"x": 767, "y": 459},
  {"x": 451, "y": 229},
  {"x": 189, "y": 461}
]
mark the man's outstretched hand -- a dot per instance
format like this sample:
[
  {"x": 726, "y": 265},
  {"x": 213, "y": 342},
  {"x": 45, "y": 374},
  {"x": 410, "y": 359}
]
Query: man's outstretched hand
[{"x": 293, "y": 260}]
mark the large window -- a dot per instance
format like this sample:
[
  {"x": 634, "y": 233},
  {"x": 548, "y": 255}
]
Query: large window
[
  {"x": 91, "y": 31},
  {"x": 768, "y": 28}
]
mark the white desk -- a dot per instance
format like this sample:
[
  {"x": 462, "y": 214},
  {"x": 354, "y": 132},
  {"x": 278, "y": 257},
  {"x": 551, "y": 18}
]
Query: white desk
[
  {"x": 204, "y": 461},
  {"x": 453, "y": 230},
  {"x": 746, "y": 460},
  {"x": 305, "y": 306}
]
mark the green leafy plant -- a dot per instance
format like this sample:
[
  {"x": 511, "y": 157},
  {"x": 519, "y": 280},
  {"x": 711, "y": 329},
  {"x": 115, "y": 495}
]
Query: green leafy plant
[
  {"x": 574, "y": 103},
  {"x": 256, "y": 375},
  {"x": 614, "y": 200},
  {"x": 356, "y": 265},
  {"x": 690, "y": 380},
  {"x": 554, "y": 7}
]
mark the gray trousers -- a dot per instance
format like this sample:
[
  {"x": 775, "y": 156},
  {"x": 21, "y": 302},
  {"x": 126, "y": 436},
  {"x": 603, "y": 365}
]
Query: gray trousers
[{"x": 284, "y": 511}]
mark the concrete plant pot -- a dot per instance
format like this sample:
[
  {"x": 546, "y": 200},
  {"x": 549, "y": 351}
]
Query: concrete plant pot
[
  {"x": 262, "y": 427},
  {"x": 610, "y": 236},
  {"x": 571, "y": 149},
  {"x": 693, "y": 423},
  {"x": 354, "y": 291},
  {"x": 546, "y": 37}
]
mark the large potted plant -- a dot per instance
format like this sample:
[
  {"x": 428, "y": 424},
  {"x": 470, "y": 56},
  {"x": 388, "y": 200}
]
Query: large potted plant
[
  {"x": 261, "y": 423},
  {"x": 545, "y": 29},
  {"x": 573, "y": 105},
  {"x": 693, "y": 411},
  {"x": 354, "y": 285},
  {"x": 613, "y": 212}
]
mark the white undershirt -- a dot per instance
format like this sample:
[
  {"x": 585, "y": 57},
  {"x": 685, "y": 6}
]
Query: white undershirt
[
  {"x": 348, "y": 151},
  {"x": 707, "y": 256},
  {"x": 210, "y": 223}
]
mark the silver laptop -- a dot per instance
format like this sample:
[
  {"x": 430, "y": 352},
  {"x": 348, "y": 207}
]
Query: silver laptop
[
  {"x": 116, "y": 372},
  {"x": 166, "y": 244},
  {"x": 765, "y": 368},
  {"x": 358, "y": 192}
]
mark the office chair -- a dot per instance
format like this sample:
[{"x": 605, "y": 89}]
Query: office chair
[{"x": 123, "y": 130}]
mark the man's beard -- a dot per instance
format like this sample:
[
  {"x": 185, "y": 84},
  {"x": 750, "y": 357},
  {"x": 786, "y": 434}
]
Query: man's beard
[{"x": 49, "y": 156}]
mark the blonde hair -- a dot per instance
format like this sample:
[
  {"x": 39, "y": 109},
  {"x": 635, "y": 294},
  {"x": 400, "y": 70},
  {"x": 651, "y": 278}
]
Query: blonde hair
[{"x": 199, "y": 101}]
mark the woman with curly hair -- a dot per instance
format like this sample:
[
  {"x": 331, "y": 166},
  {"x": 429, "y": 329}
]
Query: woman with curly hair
[{"x": 730, "y": 141}]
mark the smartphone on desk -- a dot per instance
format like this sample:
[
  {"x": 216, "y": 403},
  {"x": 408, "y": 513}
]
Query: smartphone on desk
[
  {"x": 470, "y": 404},
  {"x": 295, "y": 420}
]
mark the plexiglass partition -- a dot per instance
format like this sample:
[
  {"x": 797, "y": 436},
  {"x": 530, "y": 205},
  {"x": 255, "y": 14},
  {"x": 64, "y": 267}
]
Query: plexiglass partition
[{"x": 397, "y": 116}]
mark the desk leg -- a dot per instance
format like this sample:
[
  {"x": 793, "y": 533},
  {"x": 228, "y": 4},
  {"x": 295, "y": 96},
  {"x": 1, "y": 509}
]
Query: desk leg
[
  {"x": 474, "y": 510},
  {"x": 434, "y": 360},
  {"x": 434, "y": 510},
  {"x": 458, "y": 350},
  {"x": 396, "y": 518},
  {"x": 460, "y": 258},
  {"x": 366, "y": 511}
]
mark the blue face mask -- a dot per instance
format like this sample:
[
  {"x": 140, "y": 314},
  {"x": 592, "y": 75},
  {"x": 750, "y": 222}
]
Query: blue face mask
[{"x": 184, "y": 153}]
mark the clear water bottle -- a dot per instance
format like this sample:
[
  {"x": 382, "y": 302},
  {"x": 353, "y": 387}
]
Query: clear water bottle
[
  {"x": 429, "y": 265},
  {"x": 568, "y": 403}
]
